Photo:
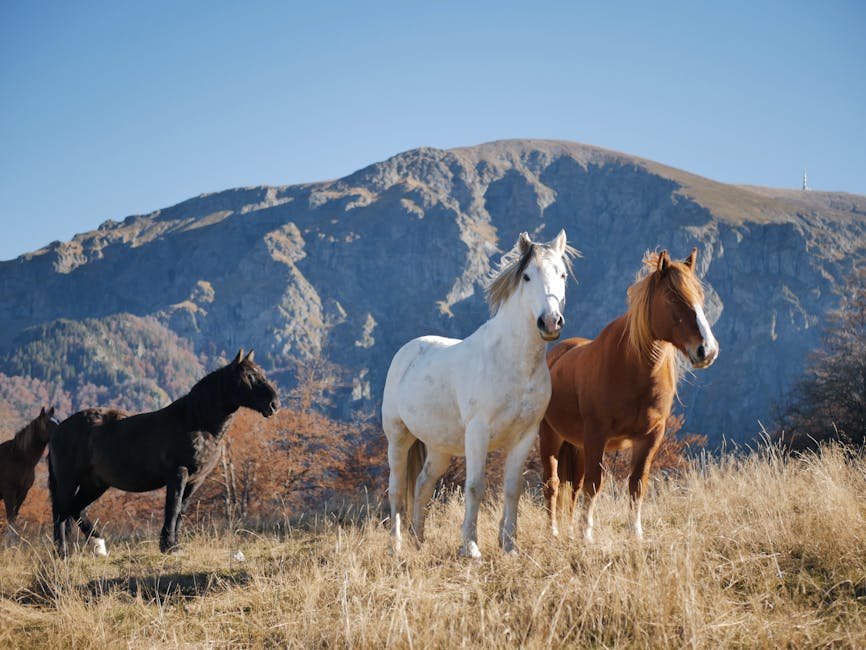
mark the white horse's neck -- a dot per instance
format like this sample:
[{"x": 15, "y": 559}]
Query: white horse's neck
[{"x": 514, "y": 334}]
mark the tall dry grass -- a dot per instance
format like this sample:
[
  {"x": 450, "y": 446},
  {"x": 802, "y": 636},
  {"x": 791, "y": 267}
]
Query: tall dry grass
[{"x": 744, "y": 552}]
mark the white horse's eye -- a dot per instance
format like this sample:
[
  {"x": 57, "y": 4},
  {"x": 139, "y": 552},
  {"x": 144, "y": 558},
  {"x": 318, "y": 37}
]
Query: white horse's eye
[
  {"x": 526, "y": 277},
  {"x": 562, "y": 276}
]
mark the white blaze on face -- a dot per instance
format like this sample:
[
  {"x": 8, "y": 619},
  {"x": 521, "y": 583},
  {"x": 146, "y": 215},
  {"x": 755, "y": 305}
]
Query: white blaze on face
[{"x": 711, "y": 346}]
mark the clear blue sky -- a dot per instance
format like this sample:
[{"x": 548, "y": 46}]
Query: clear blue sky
[{"x": 115, "y": 108}]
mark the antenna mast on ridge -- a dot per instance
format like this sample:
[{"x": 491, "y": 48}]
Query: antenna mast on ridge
[{"x": 805, "y": 184}]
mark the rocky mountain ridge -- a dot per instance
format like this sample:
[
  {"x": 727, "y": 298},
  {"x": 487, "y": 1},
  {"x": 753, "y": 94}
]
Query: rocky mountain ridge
[{"x": 345, "y": 271}]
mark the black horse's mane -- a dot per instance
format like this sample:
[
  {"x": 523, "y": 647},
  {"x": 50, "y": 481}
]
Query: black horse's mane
[{"x": 205, "y": 402}]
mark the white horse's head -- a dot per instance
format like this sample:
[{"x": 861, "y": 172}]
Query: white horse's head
[{"x": 534, "y": 274}]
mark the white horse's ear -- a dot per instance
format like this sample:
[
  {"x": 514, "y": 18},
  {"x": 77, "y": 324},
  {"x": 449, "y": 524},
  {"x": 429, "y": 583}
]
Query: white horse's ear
[
  {"x": 690, "y": 260},
  {"x": 559, "y": 243},
  {"x": 238, "y": 358},
  {"x": 523, "y": 243}
]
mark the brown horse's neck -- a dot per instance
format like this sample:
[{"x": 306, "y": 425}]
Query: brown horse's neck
[
  {"x": 28, "y": 444},
  {"x": 656, "y": 362}
]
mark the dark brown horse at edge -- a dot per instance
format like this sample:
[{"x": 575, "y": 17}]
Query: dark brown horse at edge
[
  {"x": 18, "y": 458},
  {"x": 176, "y": 447},
  {"x": 616, "y": 391}
]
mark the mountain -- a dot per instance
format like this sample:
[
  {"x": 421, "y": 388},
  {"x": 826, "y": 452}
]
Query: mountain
[{"x": 343, "y": 272}]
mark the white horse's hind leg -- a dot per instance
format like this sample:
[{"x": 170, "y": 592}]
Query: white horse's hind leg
[
  {"x": 513, "y": 487},
  {"x": 399, "y": 443},
  {"x": 434, "y": 467},
  {"x": 477, "y": 441}
]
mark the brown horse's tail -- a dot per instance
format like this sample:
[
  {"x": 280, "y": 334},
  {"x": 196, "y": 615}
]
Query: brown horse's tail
[
  {"x": 569, "y": 471},
  {"x": 414, "y": 463}
]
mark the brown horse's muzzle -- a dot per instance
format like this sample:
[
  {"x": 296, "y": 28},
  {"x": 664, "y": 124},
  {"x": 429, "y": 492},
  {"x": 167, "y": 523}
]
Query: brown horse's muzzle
[{"x": 703, "y": 355}]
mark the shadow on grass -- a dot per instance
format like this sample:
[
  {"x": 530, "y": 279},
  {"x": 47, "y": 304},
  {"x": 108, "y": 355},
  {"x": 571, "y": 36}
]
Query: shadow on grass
[{"x": 185, "y": 585}]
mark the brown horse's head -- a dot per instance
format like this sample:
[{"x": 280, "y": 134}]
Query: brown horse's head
[
  {"x": 44, "y": 425},
  {"x": 250, "y": 386},
  {"x": 37, "y": 434},
  {"x": 667, "y": 304}
]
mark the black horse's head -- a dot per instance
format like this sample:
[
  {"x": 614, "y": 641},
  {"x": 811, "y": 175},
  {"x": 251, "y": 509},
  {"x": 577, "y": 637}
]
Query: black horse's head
[{"x": 250, "y": 387}]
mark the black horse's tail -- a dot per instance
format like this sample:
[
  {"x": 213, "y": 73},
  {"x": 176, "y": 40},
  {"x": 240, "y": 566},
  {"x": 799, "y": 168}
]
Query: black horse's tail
[{"x": 52, "y": 483}]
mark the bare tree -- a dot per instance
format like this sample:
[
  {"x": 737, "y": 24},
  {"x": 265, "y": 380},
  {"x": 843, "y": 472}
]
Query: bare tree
[{"x": 829, "y": 401}]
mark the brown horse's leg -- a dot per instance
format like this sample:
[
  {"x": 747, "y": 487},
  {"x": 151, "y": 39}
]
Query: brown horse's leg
[
  {"x": 549, "y": 445},
  {"x": 11, "y": 514},
  {"x": 174, "y": 489},
  {"x": 576, "y": 484},
  {"x": 592, "y": 478},
  {"x": 643, "y": 451}
]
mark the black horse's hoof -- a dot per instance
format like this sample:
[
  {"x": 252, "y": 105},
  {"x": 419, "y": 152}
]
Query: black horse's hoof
[{"x": 170, "y": 549}]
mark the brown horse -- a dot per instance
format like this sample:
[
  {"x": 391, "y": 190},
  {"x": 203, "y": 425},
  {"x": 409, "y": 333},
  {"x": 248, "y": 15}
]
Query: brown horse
[
  {"x": 617, "y": 391},
  {"x": 18, "y": 458}
]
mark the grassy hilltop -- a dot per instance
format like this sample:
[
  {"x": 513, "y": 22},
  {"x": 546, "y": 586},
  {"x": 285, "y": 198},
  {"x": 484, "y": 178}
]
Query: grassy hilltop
[{"x": 755, "y": 551}]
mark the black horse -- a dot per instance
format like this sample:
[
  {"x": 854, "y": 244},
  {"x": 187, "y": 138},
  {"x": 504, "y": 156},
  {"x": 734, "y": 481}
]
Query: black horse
[{"x": 176, "y": 447}]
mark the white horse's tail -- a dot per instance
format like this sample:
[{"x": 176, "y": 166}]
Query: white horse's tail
[{"x": 414, "y": 464}]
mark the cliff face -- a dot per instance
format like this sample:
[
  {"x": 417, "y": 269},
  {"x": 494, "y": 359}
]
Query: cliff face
[{"x": 349, "y": 270}]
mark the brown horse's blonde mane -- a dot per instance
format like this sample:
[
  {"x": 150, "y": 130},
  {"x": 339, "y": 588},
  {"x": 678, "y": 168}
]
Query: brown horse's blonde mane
[
  {"x": 507, "y": 276},
  {"x": 681, "y": 283}
]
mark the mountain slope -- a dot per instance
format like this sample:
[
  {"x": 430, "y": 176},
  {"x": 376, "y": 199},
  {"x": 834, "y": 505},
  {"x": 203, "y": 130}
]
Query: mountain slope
[{"x": 348, "y": 270}]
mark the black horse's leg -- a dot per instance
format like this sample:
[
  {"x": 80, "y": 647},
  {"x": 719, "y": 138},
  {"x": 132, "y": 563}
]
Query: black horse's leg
[
  {"x": 86, "y": 495},
  {"x": 174, "y": 491},
  {"x": 184, "y": 506}
]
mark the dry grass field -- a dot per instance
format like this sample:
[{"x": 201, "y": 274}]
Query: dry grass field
[{"x": 753, "y": 552}]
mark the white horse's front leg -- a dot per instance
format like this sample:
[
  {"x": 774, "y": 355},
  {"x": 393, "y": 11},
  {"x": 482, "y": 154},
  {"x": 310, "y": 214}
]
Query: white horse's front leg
[
  {"x": 476, "y": 443},
  {"x": 513, "y": 488}
]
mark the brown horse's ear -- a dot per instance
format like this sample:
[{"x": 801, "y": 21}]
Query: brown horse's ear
[
  {"x": 238, "y": 358},
  {"x": 664, "y": 261},
  {"x": 250, "y": 355},
  {"x": 523, "y": 242},
  {"x": 690, "y": 260}
]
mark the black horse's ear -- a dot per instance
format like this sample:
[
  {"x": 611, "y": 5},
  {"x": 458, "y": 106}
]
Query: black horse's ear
[
  {"x": 42, "y": 412},
  {"x": 249, "y": 357},
  {"x": 690, "y": 260},
  {"x": 664, "y": 261},
  {"x": 51, "y": 412},
  {"x": 238, "y": 358}
]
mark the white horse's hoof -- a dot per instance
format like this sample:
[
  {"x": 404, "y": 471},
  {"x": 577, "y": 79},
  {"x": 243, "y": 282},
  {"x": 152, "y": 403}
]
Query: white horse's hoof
[
  {"x": 554, "y": 531},
  {"x": 470, "y": 549},
  {"x": 99, "y": 549}
]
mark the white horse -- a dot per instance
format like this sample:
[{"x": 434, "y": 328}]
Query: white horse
[{"x": 446, "y": 397}]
